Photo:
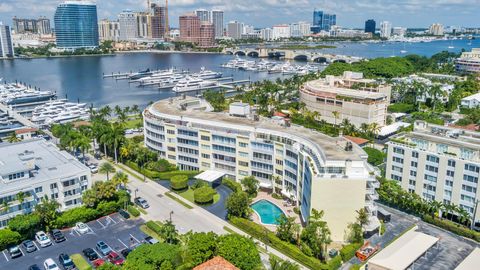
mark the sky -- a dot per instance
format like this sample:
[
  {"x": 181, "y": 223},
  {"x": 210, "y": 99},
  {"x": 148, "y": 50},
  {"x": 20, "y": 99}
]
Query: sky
[{"x": 263, "y": 13}]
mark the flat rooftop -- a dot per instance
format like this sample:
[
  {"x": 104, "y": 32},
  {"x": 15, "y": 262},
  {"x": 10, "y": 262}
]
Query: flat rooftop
[
  {"x": 39, "y": 156},
  {"x": 323, "y": 86},
  {"x": 472, "y": 261},
  {"x": 333, "y": 148}
]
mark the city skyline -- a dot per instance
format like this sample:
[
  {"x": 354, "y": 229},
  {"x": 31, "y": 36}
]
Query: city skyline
[{"x": 407, "y": 13}]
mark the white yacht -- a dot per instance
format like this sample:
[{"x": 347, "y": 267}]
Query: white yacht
[
  {"x": 207, "y": 74},
  {"x": 14, "y": 94},
  {"x": 59, "y": 112},
  {"x": 192, "y": 84}
]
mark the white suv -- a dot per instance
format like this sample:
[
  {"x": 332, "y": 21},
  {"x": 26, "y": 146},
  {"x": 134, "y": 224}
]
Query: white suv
[{"x": 43, "y": 239}]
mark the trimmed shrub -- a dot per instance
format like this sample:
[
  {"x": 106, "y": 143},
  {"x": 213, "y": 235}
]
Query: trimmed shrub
[
  {"x": 25, "y": 225},
  {"x": 179, "y": 182},
  {"x": 204, "y": 195},
  {"x": 453, "y": 227},
  {"x": 8, "y": 237},
  {"x": 161, "y": 165},
  {"x": 154, "y": 226},
  {"x": 401, "y": 108},
  {"x": 198, "y": 184},
  {"x": 375, "y": 156},
  {"x": 106, "y": 208},
  {"x": 169, "y": 175},
  {"x": 348, "y": 251},
  {"x": 232, "y": 184},
  {"x": 133, "y": 211},
  {"x": 148, "y": 173},
  {"x": 79, "y": 214},
  {"x": 277, "y": 196}
]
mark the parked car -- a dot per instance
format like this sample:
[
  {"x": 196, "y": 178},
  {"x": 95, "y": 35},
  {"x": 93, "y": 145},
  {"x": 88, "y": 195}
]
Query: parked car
[
  {"x": 57, "y": 236},
  {"x": 114, "y": 258},
  {"x": 93, "y": 168},
  {"x": 14, "y": 251},
  {"x": 65, "y": 261},
  {"x": 141, "y": 202},
  {"x": 42, "y": 239},
  {"x": 90, "y": 254},
  {"x": 98, "y": 262},
  {"x": 124, "y": 214},
  {"x": 34, "y": 267},
  {"x": 150, "y": 240},
  {"x": 125, "y": 252},
  {"x": 49, "y": 264},
  {"x": 82, "y": 228},
  {"x": 103, "y": 248},
  {"x": 29, "y": 246}
]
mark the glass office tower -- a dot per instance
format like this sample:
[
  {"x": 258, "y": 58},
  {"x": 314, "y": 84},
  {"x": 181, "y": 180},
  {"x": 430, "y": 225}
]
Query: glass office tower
[{"x": 76, "y": 25}]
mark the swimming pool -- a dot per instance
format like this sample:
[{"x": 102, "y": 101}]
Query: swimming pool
[{"x": 267, "y": 211}]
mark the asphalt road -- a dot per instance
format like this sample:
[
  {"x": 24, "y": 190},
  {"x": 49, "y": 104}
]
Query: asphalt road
[{"x": 113, "y": 230}]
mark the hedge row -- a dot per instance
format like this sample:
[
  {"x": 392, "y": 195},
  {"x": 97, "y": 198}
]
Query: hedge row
[
  {"x": 154, "y": 226},
  {"x": 348, "y": 251},
  {"x": 453, "y": 227},
  {"x": 133, "y": 211},
  {"x": 204, "y": 195},
  {"x": 169, "y": 175},
  {"x": 258, "y": 231},
  {"x": 150, "y": 174},
  {"x": 179, "y": 182},
  {"x": 232, "y": 184}
]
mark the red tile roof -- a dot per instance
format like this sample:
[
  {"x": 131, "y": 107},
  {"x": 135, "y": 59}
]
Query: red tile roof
[
  {"x": 357, "y": 140},
  {"x": 470, "y": 127},
  {"x": 279, "y": 114},
  {"x": 25, "y": 130},
  {"x": 217, "y": 263}
]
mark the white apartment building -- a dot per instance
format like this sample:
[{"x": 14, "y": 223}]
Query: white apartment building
[
  {"x": 471, "y": 102},
  {"x": 436, "y": 29},
  {"x": 399, "y": 31},
  {"x": 217, "y": 20},
  {"x": 128, "y": 25},
  {"x": 38, "y": 168},
  {"x": 438, "y": 163},
  {"x": 235, "y": 29},
  {"x": 280, "y": 31},
  {"x": 317, "y": 171},
  {"x": 144, "y": 24},
  {"x": 469, "y": 62},
  {"x": 385, "y": 29},
  {"x": 109, "y": 30},
  {"x": 299, "y": 29},
  {"x": 354, "y": 98},
  {"x": 266, "y": 33},
  {"x": 6, "y": 43},
  {"x": 203, "y": 15}
]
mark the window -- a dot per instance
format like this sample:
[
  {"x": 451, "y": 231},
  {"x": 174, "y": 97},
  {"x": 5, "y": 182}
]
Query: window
[
  {"x": 279, "y": 172},
  {"x": 448, "y": 193},
  {"x": 432, "y": 158},
  {"x": 431, "y": 168},
  {"x": 206, "y": 156},
  {"x": 449, "y": 183},
  {"x": 279, "y": 162},
  {"x": 469, "y": 188},
  {"x": 414, "y": 164},
  {"x": 206, "y": 164},
  {"x": 243, "y": 154},
  {"x": 223, "y": 139},
  {"x": 223, "y": 148},
  {"x": 243, "y": 173},
  {"x": 187, "y": 159},
  {"x": 430, "y": 178},
  {"x": 266, "y": 157},
  {"x": 413, "y": 173},
  {"x": 261, "y": 165},
  {"x": 396, "y": 177},
  {"x": 242, "y": 144},
  {"x": 442, "y": 148},
  {"x": 466, "y": 153},
  {"x": 470, "y": 178},
  {"x": 412, "y": 182},
  {"x": 172, "y": 157},
  {"x": 398, "y": 160},
  {"x": 398, "y": 150},
  {"x": 187, "y": 133},
  {"x": 279, "y": 152},
  {"x": 450, "y": 173},
  {"x": 415, "y": 154},
  {"x": 472, "y": 168},
  {"x": 429, "y": 187},
  {"x": 187, "y": 150},
  {"x": 243, "y": 163},
  {"x": 54, "y": 185},
  {"x": 38, "y": 189},
  {"x": 170, "y": 131},
  {"x": 292, "y": 154},
  {"x": 467, "y": 198},
  {"x": 397, "y": 169},
  {"x": 291, "y": 165},
  {"x": 205, "y": 138},
  {"x": 172, "y": 149},
  {"x": 205, "y": 147},
  {"x": 186, "y": 141},
  {"x": 451, "y": 163}
]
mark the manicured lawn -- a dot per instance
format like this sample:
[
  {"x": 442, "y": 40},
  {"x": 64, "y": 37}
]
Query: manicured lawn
[
  {"x": 188, "y": 194},
  {"x": 134, "y": 123},
  {"x": 80, "y": 262},
  {"x": 150, "y": 232},
  {"x": 168, "y": 194}
]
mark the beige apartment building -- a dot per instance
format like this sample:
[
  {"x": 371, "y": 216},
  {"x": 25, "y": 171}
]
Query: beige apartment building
[
  {"x": 354, "y": 98},
  {"x": 438, "y": 163}
]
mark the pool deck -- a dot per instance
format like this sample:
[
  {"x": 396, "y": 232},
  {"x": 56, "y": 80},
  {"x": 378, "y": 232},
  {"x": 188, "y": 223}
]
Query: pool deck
[{"x": 288, "y": 210}]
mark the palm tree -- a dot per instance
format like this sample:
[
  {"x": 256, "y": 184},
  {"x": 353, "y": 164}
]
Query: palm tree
[
  {"x": 336, "y": 115},
  {"x": 135, "y": 109},
  {"x": 83, "y": 142},
  {"x": 4, "y": 207},
  {"x": 278, "y": 264},
  {"x": 374, "y": 128},
  {"x": 169, "y": 232},
  {"x": 13, "y": 138},
  {"x": 105, "y": 111},
  {"x": 120, "y": 179},
  {"x": 106, "y": 168},
  {"x": 364, "y": 128}
]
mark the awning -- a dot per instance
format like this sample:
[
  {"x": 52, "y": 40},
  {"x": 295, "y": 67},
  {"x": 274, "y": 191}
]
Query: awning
[{"x": 210, "y": 176}]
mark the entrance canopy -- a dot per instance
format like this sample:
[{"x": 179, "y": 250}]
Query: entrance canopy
[{"x": 210, "y": 176}]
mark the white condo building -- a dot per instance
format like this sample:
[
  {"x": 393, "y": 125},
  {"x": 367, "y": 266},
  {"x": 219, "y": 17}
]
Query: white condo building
[
  {"x": 235, "y": 29},
  {"x": 38, "y": 169},
  {"x": 203, "y": 15},
  {"x": 281, "y": 31},
  {"x": 128, "y": 25},
  {"x": 385, "y": 29},
  {"x": 6, "y": 43},
  {"x": 109, "y": 30},
  {"x": 217, "y": 20},
  {"x": 266, "y": 33},
  {"x": 317, "y": 171},
  {"x": 437, "y": 163}
]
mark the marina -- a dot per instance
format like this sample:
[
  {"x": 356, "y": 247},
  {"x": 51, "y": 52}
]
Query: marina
[
  {"x": 22, "y": 98},
  {"x": 285, "y": 68},
  {"x": 59, "y": 112}
]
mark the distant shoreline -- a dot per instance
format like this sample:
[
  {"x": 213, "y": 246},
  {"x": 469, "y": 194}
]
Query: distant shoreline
[{"x": 166, "y": 51}]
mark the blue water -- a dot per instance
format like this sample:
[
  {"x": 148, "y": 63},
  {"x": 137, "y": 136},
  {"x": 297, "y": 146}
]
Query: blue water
[{"x": 268, "y": 212}]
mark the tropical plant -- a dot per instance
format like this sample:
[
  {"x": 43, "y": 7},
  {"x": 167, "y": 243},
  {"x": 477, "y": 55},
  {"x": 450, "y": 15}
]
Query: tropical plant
[
  {"x": 48, "y": 212},
  {"x": 106, "y": 168},
  {"x": 250, "y": 185},
  {"x": 316, "y": 235},
  {"x": 238, "y": 204},
  {"x": 169, "y": 232},
  {"x": 120, "y": 179},
  {"x": 13, "y": 138},
  {"x": 278, "y": 264}
]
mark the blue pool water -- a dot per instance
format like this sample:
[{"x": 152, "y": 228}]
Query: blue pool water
[{"x": 268, "y": 212}]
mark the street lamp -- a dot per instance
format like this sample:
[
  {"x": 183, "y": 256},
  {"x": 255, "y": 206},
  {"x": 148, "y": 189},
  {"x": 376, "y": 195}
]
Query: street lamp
[
  {"x": 136, "y": 192},
  {"x": 474, "y": 215},
  {"x": 171, "y": 213}
]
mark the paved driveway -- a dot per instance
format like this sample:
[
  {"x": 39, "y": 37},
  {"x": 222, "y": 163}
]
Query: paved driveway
[{"x": 114, "y": 230}]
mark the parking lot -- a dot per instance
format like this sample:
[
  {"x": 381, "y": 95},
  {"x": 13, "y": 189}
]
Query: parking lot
[{"x": 114, "y": 230}]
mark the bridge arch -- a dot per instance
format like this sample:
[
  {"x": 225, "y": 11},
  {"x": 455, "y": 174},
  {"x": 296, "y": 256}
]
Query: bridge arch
[
  {"x": 339, "y": 61},
  {"x": 300, "y": 57},
  {"x": 253, "y": 53},
  {"x": 229, "y": 52},
  {"x": 320, "y": 59},
  {"x": 240, "y": 53}
]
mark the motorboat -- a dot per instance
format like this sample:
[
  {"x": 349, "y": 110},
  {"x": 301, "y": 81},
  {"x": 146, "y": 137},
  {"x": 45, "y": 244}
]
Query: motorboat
[
  {"x": 192, "y": 84},
  {"x": 59, "y": 112},
  {"x": 207, "y": 74}
]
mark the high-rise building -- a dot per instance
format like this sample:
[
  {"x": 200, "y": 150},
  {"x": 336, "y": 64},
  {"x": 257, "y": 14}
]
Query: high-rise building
[
  {"x": 36, "y": 26},
  {"x": 76, "y": 25},
  {"x": 203, "y": 15},
  {"x": 399, "y": 31},
  {"x": 248, "y": 29},
  {"x": 43, "y": 26},
  {"x": 207, "y": 35},
  {"x": 6, "y": 43},
  {"x": 370, "y": 26},
  {"x": 266, "y": 34},
  {"x": 143, "y": 22},
  {"x": 159, "y": 21},
  {"x": 323, "y": 21},
  {"x": 189, "y": 27},
  {"x": 438, "y": 163},
  {"x": 217, "y": 20},
  {"x": 109, "y": 30},
  {"x": 436, "y": 29},
  {"x": 128, "y": 25},
  {"x": 235, "y": 29},
  {"x": 280, "y": 31},
  {"x": 385, "y": 29},
  {"x": 299, "y": 29}
]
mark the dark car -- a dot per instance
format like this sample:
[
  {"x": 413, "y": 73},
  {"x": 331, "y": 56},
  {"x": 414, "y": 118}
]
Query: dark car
[
  {"x": 65, "y": 261},
  {"x": 29, "y": 246},
  {"x": 124, "y": 214},
  {"x": 141, "y": 202},
  {"x": 125, "y": 252},
  {"x": 14, "y": 251},
  {"x": 90, "y": 254},
  {"x": 151, "y": 240},
  {"x": 34, "y": 267},
  {"x": 57, "y": 236}
]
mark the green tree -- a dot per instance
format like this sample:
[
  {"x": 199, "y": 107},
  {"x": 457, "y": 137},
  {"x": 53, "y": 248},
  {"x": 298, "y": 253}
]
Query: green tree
[
  {"x": 13, "y": 138},
  {"x": 238, "y": 204},
  {"x": 285, "y": 228},
  {"x": 21, "y": 196},
  {"x": 201, "y": 247},
  {"x": 169, "y": 232},
  {"x": 250, "y": 184},
  {"x": 120, "y": 179},
  {"x": 316, "y": 235},
  {"x": 151, "y": 257},
  {"x": 25, "y": 225},
  {"x": 278, "y": 264},
  {"x": 106, "y": 168},
  {"x": 8, "y": 237},
  {"x": 239, "y": 250},
  {"x": 48, "y": 212}
]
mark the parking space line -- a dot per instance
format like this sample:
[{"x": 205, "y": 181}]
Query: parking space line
[
  {"x": 35, "y": 245},
  {"x": 99, "y": 256},
  {"x": 112, "y": 219},
  {"x": 6, "y": 258},
  {"x": 21, "y": 251},
  {"x": 122, "y": 243},
  {"x": 103, "y": 227},
  {"x": 134, "y": 238}
]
